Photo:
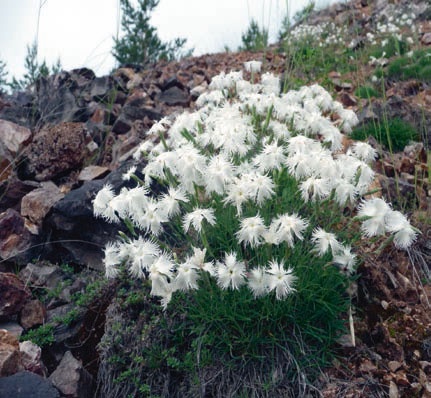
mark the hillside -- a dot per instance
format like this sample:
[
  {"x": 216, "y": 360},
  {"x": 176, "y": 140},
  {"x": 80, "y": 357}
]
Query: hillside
[{"x": 74, "y": 142}]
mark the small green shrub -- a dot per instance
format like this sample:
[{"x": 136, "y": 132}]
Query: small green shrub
[
  {"x": 417, "y": 66},
  {"x": 395, "y": 135},
  {"x": 42, "y": 336},
  {"x": 366, "y": 92}
]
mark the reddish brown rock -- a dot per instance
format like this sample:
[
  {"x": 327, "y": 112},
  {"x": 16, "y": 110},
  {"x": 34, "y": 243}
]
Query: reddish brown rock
[
  {"x": 57, "y": 150},
  {"x": 10, "y": 357},
  {"x": 13, "y": 295},
  {"x": 32, "y": 314},
  {"x": 15, "y": 238},
  {"x": 36, "y": 204},
  {"x": 12, "y": 139}
]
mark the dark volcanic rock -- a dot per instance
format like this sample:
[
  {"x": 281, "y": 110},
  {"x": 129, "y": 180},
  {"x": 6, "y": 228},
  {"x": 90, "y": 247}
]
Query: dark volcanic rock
[
  {"x": 174, "y": 96},
  {"x": 25, "y": 385}
]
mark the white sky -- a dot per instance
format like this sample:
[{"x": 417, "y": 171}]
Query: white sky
[{"x": 80, "y": 31}]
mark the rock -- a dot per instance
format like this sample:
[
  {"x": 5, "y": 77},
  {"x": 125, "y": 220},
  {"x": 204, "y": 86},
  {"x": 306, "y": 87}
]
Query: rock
[
  {"x": 416, "y": 151},
  {"x": 19, "y": 109},
  {"x": 174, "y": 96},
  {"x": 48, "y": 276},
  {"x": 36, "y": 204},
  {"x": 347, "y": 100},
  {"x": 339, "y": 85},
  {"x": 64, "y": 97},
  {"x": 13, "y": 295},
  {"x": 426, "y": 39},
  {"x": 13, "y": 190},
  {"x": 103, "y": 90},
  {"x": 394, "y": 366},
  {"x": 171, "y": 82},
  {"x": 57, "y": 150},
  {"x": 15, "y": 239},
  {"x": 10, "y": 357},
  {"x": 12, "y": 139},
  {"x": 93, "y": 173},
  {"x": 32, "y": 314},
  {"x": 72, "y": 220},
  {"x": 71, "y": 378},
  {"x": 31, "y": 358},
  {"x": 121, "y": 125},
  {"x": 25, "y": 385},
  {"x": 12, "y": 327},
  {"x": 393, "y": 390}
]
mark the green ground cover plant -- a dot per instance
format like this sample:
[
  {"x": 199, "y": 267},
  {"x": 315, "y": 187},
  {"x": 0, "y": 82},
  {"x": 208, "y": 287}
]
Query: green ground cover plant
[{"x": 251, "y": 241}]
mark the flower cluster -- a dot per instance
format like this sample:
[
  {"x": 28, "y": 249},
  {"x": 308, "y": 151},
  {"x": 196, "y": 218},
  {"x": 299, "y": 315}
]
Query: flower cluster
[{"x": 224, "y": 167}]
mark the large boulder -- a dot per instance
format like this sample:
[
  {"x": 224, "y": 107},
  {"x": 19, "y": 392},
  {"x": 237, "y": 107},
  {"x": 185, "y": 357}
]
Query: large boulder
[
  {"x": 57, "y": 150},
  {"x": 81, "y": 236}
]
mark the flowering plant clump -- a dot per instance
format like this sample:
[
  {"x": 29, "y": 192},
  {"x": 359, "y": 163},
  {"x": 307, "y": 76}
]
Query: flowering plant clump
[{"x": 230, "y": 170}]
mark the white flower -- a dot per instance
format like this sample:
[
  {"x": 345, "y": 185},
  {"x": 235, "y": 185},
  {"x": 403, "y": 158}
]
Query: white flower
[
  {"x": 252, "y": 230},
  {"x": 270, "y": 83},
  {"x": 198, "y": 259},
  {"x": 231, "y": 272},
  {"x": 258, "y": 282},
  {"x": 187, "y": 276},
  {"x": 374, "y": 210},
  {"x": 196, "y": 217},
  {"x": 324, "y": 241},
  {"x": 345, "y": 260},
  {"x": 271, "y": 157},
  {"x": 218, "y": 174},
  {"x": 261, "y": 187},
  {"x": 112, "y": 260},
  {"x": 237, "y": 193},
  {"x": 285, "y": 226},
  {"x": 280, "y": 279},
  {"x": 397, "y": 222},
  {"x": 315, "y": 188},
  {"x": 128, "y": 175},
  {"x": 363, "y": 151},
  {"x": 101, "y": 203},
  {"x": 169, "y": 202},
  {"x": 253, "y": 66},
  {"x": 142, "y": 253},
  {"x": 160, "y": 272}
]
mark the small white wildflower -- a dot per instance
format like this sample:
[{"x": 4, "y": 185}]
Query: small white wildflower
[
  {"x": 345, "y": 260},
  {"x": 252, "y": 230},
  {"x": 128, "y": 175},
  {"x": 196, "y": 217},
  {"x": 323, "y": 241},
  {"x": 286, "y": 226},
  {"x": 258, "y": 282},
  {"x": 374, "y": 210},
  {"x": 280, "y": 279},
  {"x": 187, "y": 277},
  {"x": 364, "y": 151},
  {"x": 112, "y": 260},
  {"x": 253, "y": 66},
  {"x": 231, "y": 272}
]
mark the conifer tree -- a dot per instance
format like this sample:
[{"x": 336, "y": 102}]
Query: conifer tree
[
  {"x": 140, "y": 43},
  {"x": 254, "y": 38}
]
